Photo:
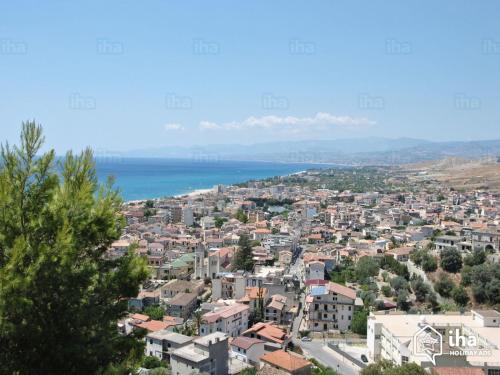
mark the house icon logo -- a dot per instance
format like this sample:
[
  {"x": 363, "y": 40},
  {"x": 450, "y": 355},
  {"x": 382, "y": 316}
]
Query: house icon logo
[{"x": 428, "y": 342}]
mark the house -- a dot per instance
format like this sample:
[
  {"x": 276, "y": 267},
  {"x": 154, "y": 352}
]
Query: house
[
  {"x": 276, "y": 310},
  {"x": 315, "y": 270},
  {"x": 208, "y": 354},
  {"x": 161, "y": 343},
  {"x": 289, "y": 362},
  {"x": 173, "y": 287},
  {"x": 247, "y": 349},
  {"x": 401, "y": 254},
  {"x": 228, "y": 286},
  {"x": 231, "y": 320},
  {"x": 182, "y": 305},
  {"x": 255, "y": 298},
  {"x": 330, "y": 307},
  {"x": 274, "y": 337}
]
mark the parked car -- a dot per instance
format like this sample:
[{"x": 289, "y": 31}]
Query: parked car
[
  {"x": 306, "y": 338},
  {"x": 364, "y": 359}
]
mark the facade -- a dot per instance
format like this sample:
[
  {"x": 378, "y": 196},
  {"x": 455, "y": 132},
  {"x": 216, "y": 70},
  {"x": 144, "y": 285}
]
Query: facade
[
  {"x": 330, "y": 307},
  {"x": 182, "y": 305},
  {"x": 274, "y": 337},
  {"x": 208, "y": 355},
  {"x": 315, "y": 270},
  {"x": 161, "y": 343},
  {"x": 248, "y": 350},
  {"x": 231, "y": 320}
]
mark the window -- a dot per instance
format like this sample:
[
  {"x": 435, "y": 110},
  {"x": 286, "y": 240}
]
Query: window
[
  {"x": 404, "y": 359},
  {"x": 493, "y": 371}
]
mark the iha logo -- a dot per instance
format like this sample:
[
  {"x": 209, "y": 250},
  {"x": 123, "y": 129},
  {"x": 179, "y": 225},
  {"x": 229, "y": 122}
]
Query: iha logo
[{"x": 428, "y": 342}]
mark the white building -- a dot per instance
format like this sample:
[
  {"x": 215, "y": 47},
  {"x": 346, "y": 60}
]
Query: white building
[
  {"x": 331, "y": 307},
  {"x": 231, "y": 320},
  {"x": 208, "y": 354},
  {"x": 394, "y": 337},
  {"x": 247, "y": 349}
]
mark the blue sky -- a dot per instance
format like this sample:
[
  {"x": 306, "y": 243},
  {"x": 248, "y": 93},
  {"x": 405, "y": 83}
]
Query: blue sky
[{"x": 146, "y": 74}]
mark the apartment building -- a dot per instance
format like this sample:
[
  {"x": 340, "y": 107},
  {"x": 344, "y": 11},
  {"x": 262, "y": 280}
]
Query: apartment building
[
  {"x": 394, "y": 337},
  {"x": 231, "y": 320},
  {"x": 330, "y": 307},
  {"x": 160, "y": 344},
  {"x": 208, "y": 355}
]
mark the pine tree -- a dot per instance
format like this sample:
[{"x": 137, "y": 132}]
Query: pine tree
[
  {"x": 243, "y": 259},
  {"x": 60, "y": 297}
]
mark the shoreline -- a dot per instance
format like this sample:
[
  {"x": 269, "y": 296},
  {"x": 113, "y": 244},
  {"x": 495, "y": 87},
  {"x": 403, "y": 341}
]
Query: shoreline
[{"x": 202, "y": 191}]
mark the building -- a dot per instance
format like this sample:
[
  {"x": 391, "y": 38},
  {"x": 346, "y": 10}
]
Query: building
[
  {"x": 161, "y": 343},
  {"x": 276, "y": 310},
  {"x": 401, "y": 254},
  {"x": 330, "y": 307},
  {"x": 208, "y": 355},
  {"x": 247, "y": 349},
  {"x": 274, "y": 337},
  {"x": 289, "y": 362},
  {"x": 231, "y": 320},
  {"x": 393, "y": 336},
  {"x": 174, "y": 287},
  {"x": 229, "y": 286},
  {"x": 315, "y": 270},
  {"x": 182, "y": 305}
]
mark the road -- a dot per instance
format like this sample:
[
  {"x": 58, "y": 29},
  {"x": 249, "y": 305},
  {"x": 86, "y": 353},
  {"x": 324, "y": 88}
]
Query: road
[{"x": 326, "y": 356}]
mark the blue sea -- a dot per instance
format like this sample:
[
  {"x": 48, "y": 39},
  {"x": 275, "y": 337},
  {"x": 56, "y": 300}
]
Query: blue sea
[{"x": 154, "y": 178}]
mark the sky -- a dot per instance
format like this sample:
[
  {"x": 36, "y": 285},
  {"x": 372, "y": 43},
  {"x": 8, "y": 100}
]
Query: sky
[{"x": 125, "y": 75}]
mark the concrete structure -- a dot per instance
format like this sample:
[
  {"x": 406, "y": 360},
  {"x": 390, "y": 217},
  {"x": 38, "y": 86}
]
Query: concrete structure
[
  {"x": 391, "y": 336},
  {"x": 161, "y": 343},
  {"x": 247, "y": 349},
  {"x": 182, "y": 305},
  {"x": 208, "y": 354},
  {"x": 315, "y": 270},
  {"x": 330, "y": 307},
  {"x": 231, "y": 320}
]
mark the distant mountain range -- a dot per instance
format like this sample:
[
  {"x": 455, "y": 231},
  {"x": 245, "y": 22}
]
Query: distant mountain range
[{"x": 360, "y": 151}]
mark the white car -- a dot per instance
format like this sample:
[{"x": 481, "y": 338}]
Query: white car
[{"x": 306, "y": 338}]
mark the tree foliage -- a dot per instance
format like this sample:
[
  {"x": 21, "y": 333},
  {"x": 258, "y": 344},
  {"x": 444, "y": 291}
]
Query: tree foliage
[
  {"x": 388, "y": 368},
  {"x": 451, "y": 260},
  {"x": 243, "y": 259},
  {"x": 60, "y": 297},
  {"x": 359, "y": 322}
]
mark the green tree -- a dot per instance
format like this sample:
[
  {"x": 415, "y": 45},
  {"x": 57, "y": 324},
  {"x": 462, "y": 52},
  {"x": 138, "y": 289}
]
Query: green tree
[
  {"x": 451, "y": 260},
  {"x": 359, "y": 322},
  {"x": 476, "y": 258},
  {"x": 219, "y": 221},
  {"x": 429, "y": 263},
  {"x": 60, "y": 297},
  {"x": 243, "y": 259},
  {"x": 460, "y": 296},
  {"x": 241, "y": 216},
  {"x": 151, "y": 362},
  {"x": 155, "y": 312},
  {"x": 444, "y": 285},
  {"x": 387, "y": 290},
  {"x": 366, "y": 267}
]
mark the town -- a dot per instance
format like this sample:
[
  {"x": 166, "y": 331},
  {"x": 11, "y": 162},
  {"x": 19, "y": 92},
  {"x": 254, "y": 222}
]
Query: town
[{"x": 331, "y": 271}]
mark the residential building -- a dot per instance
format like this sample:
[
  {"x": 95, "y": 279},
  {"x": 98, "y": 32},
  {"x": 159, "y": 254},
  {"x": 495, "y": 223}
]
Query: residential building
[
  {"x": 231, "y": 320},
  {"x": 289, "y": 362},
  {"x": 247, "y": 349},
  {"x": 161, "y": 343},
  {"x": 208, "y": 355},
  {"x": 182, "y": 305}
]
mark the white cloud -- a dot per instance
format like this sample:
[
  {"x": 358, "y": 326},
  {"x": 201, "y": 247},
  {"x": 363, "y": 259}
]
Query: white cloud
[
  {"x": 173, "y": 127},
  {"x": 321, "y": 119}
]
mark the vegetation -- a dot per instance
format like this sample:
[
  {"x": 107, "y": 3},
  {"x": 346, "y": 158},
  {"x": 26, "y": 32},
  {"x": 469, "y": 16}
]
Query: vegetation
[
  {"x": 389, "y": 263},
  {"x": 320, "y": 369},
  {"x": 241, "y": 216},
  {"x": 484, "y": 280},
  {"x": 219, "y": 221},
  {"x": 359, "y": 322},
  {"x": 444, "y": 285},
  {"x": 451, "y": 260},
  {"x": 151, "y": 362},
  {"x": 155, "y": 312},
  {"x": 460, "y": 296},
  {"x": 60, "y": 298},
  {"x": 243, "y": 259},
  {"x": 388, "y": 368},
  {"x": 366, "y": 267},
  {"x": 425, "y": 260}
]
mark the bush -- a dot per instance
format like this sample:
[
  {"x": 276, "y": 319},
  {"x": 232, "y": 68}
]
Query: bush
[
  {"x": 460, "y": 296},
  {"x": 387, "y": 290},
  {"x": 476, "y": 258},
  {"x": 429, "y": 263},
  {"x": 359, "y": 322},
  {"x": 451, "y": 260},
  {"x": 444, "y": 285},
  {"x": 152, "y": 362}
]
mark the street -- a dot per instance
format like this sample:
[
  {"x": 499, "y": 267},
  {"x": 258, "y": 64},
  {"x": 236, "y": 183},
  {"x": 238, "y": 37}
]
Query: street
[{"x": 326, "y": 356}]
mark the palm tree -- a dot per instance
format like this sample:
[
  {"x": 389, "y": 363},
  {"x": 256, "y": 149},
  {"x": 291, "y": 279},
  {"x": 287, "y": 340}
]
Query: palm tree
[{"x": 198, "y": 319}]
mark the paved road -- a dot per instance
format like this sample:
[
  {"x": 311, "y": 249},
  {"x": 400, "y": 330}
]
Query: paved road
[{"x": 326, "y": 356}]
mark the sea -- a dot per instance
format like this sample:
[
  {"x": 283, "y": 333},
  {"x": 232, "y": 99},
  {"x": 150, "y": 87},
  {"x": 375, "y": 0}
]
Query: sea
[{"x": 143, "y": 178}]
